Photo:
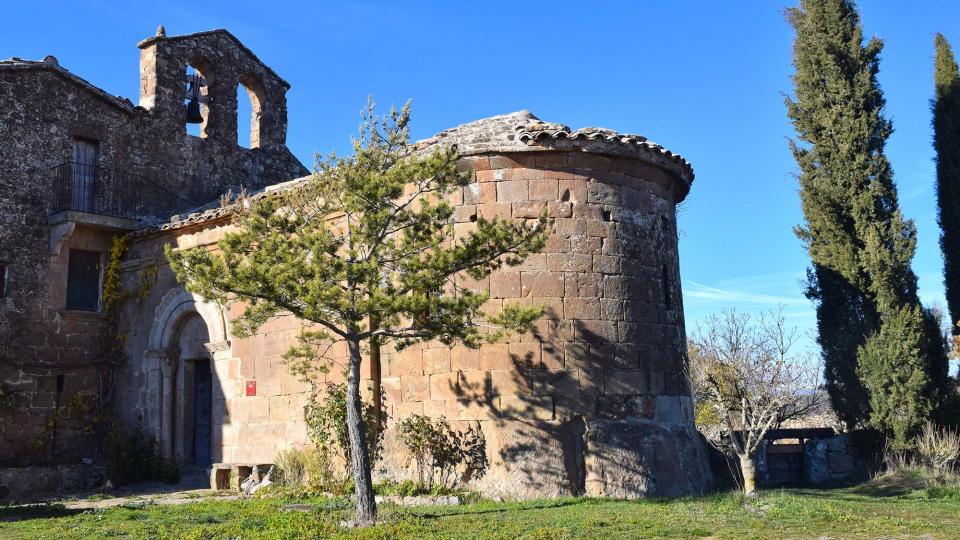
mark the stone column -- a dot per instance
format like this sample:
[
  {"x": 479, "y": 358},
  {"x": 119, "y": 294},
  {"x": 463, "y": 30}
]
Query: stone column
[
  {"x": 168, "y": 360},
  {"x": 221, "y": 358}
]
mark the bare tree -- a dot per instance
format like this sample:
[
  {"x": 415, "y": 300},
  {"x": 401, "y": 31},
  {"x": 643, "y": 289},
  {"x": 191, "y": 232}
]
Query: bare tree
[
  {"x": 939, "y": 314},
  {"x": 746, "y": 380}
]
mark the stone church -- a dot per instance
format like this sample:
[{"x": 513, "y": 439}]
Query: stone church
[{"x": 592, "y": 401}]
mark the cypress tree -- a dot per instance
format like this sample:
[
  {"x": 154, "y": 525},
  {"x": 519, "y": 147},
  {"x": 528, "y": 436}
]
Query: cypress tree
[
  {"x": 842, "y": 328},
  {"x": 876, "y": 339},
  {"x": 946, "y": 142}
]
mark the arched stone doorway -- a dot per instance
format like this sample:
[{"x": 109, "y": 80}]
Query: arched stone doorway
[
  {"x": 193, "y": 396},
  {"x": 187, "y": 338}
]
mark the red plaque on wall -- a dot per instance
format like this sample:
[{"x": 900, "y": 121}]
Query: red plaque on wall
[{"x": 251, "y": 388}]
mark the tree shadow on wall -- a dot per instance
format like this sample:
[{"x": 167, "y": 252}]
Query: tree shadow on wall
[
  {"x": 548, "y": 418},
  {"x": 528, "y": 433}
]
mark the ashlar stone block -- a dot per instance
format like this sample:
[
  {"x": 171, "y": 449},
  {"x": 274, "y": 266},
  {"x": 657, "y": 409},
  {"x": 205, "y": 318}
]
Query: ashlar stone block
[
  {"x": 527, "y": 407},
  {"x": 445, "y": 386},
  {"x": 544, "y": 189},
  {"x": 542, "y": 284},
  {"x": 505, "y": 284},
  {"x": 581, "y": 308},
  {"x": 416, "y": 388},
  {"x": 573, "y": 262},
  {"x": 625, "y": 382},
  {"x": 512, "y": 191}
]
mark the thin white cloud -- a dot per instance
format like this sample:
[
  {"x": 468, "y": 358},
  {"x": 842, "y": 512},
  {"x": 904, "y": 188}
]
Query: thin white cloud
[
  {"x": 917, "y": 192},
  {"x": 701, "y": 291}
]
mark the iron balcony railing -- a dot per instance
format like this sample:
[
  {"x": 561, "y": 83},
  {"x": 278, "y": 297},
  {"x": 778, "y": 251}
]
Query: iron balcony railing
[{"x": 97, "y": 190}]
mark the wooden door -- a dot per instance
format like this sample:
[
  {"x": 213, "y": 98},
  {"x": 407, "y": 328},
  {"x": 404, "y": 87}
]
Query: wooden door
[
  {"x": 785, "y": 464},
  {"x": 202, "y": 409},
  {"x": 86, "y": 154}
]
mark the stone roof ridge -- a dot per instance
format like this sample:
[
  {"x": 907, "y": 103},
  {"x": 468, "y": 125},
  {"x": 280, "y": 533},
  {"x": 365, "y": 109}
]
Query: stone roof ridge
[
  {"x": 492, "y": 122},
  {"x": 483, "y": 135},
  {"x": 522, "y": 131},
  {"x": 16, "y": 63},
  {"x": 222, "y": 31}
]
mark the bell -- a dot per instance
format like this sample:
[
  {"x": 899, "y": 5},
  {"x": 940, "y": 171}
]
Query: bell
[{"x": 193, "y": 112}]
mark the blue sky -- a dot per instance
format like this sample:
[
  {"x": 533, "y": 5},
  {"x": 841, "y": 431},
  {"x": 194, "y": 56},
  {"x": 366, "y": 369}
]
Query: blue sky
[{"x": 706, "y": 79}]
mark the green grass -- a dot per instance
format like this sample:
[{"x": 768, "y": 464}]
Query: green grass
[{"x": 841, "y": 513}]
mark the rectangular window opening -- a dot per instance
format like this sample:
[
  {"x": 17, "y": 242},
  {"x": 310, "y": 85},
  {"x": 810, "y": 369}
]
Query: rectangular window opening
[
  {"x": 83, "y": 280},
  {"x": 3, "y": 280}
]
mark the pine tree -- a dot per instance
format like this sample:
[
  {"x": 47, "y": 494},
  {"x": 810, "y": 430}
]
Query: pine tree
[
  {"x": 874, "y": 334},
  {"x": 365, "y": 251},
  {"x": 946, "y": 142}
]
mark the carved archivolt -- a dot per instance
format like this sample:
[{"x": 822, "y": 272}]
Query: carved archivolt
[{"x": 177, "y": 304}]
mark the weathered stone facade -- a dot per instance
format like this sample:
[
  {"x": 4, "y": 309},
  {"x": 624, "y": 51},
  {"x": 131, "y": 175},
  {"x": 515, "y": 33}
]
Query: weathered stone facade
[
  {"x": 146, "y": 167},
  {"x": 593, "y": 400}
]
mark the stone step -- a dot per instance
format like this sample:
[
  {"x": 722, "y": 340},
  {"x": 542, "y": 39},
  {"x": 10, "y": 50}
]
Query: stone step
[
  {"x": 195, "y": 478},
  {"x": 231, "y": 475}
]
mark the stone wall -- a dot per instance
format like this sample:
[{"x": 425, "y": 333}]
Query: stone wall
[
  {"x": 841, "y": 458},
  {"x": 837, "y": 459},
  {"x": 39, "y": 339},
  {"x": 592, "y": 400},
  {"x": 45, "y": 108},
  {"x": 23, "y": 484}
]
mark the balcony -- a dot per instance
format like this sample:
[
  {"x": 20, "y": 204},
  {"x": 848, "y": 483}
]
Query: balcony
[{"x": 96, "y": 190}]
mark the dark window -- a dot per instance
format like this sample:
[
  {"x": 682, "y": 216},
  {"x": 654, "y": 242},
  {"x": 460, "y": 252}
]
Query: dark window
[
  {"x": 83, "y": 280},
  {"x": 3, "y": 280},
  {"x": 667, "y": 293}
]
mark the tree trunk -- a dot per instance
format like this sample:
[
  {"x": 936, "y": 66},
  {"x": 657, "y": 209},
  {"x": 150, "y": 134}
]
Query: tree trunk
[
  {"x": 749, "y": 471},
  {"x": 366, "y": 505},
  {"x": 375, "y": 377}
]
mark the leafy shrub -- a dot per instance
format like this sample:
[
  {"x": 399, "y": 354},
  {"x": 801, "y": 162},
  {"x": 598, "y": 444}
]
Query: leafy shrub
[
  {"x": 445, "y": 458},
  {"x": 134, "y": 456},
  {"x": 326, "y": 417}
]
